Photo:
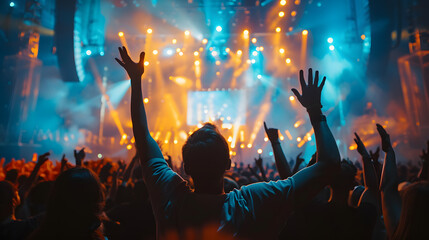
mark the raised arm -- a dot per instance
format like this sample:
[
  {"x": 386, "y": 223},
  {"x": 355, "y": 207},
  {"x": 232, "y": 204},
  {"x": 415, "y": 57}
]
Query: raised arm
[
  {"x": 390, "y": 199},
  {"x": 309, "y": 181},
  {"x": 145, "y": 144},
  {"x": 281, "y": 162},
  {"x": 298, "y": 161},
  {"x": 79, "y": 156},
  {"x": 369, "y": 175},
  {"x": 424, "y": 171},
  {"x": 32, "y": 178}
]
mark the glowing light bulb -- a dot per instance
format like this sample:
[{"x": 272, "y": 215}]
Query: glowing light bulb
[
  {"x": 281, "y": 50},
  {"x": 287, "y": 60},
  {"x": 254, "y": 40},
  {"x": 330, "y": 40},
  {"x": 146, "y": 100},
  {"x": 332, "y": 48},
  {"x": 149, "y": 30},
  {"x": 239, "y": 52},
  {"x": 219, "y": 28},
  {"x": 197, "y": 63},
  {"x": 204, "y": 41},
  {"x": 155, "y": 52},
  {"x": 283, "y": 2},
  {"x": 278, "y": 29},
  {"x": 120, "y": 34},
  {"x": 187, "y": 33},
  {"x": 292, "y": 98},
  {"x": 196, "y": 53},
  {"x": 146, "y": 63},
  {"x": 305, "y": 32},
  {"x": 260, "y": 151},
  {"x": 281, "y": 14}
]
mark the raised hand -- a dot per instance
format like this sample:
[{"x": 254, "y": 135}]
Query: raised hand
[
  {"x": 311, "y": 92},
  {"x": 79, "y": 156},
  {"x": 299, "y": 159},
  {"x": 375, "y": 155},
  {"x": 43, "y": 158},
  {"x": 259, "y": 162},
  {"x": 63, "y": 162},
  {"x": 386, "y": 145},
  {"x": 425, "y": 154},
  {"x": 272, "y": 133},
  {"x": 361, "y": 147},
  {"x": 134, "y": 69}
]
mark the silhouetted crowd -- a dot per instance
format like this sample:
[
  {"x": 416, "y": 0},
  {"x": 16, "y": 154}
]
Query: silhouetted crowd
[{"x": 208, "y": 197}]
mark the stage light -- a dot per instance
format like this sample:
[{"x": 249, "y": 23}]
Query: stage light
[
  {"x": 187, "y": 33},
  {"x": 249, "y": 145},
  {"x": 197, "y": 63},
  {"x": 204, "y": 41},
  {"x": 155, "y": 52},
  {"x": 146, "y": 100},
  {"x": 278, "y": 29},
  {"x": 230, "y": 139},
  {"x": 219, "y": 28},
  {"x": 266, "y": 139},
  {"x": 129, "y": 146},
  {"x": 248, "y": 61},
  {"x": 255, "y": 53},
  {"x": 331, "y": 47},
  {"x": 293, "y": 13},
  {"x": 124, "y": 136},
  {"x": 281, "y": 14},
  {"x": 217, "y": 63},
  {"x": 11, "y": 4},
  {"x": 214, "y": 53},
  {"x": 242, "y": 145},
  {"x": 362, "y": 37},
  {"x": 101, "y": 53},
  {"x": 260, "y": 151},
  {"x": 174, "y": 41},
  {"x": 298, "y": 139},
  {"x": 292, "y": 98},
  {"x": 239, "y": 52},
  {"x": 297, "y": 2},
  {"x": 305, "y": 32},
  {"x": 261, "y": 48},
  {"x": 146, "y": 63},
  {"x": 287, "y": 60},
  {"x": 99, "y": 155},
  {"x": 180, "y": 53},
  {"x": 175, "y": 141},
  {"x": 281, "y": 138},
  {"x": 254, "y": 40},
  {"x": 120, "y": 34},
  {"x": 281, "y": 50},
  {"x": 196, "y": 53},
  {"x": 308, "y": 138},
  {"x": 227, "y": 50},
  {"x": 246, "y": 32},
  {"x": 253, "y": 61},
  {"x": 178, "y": 50},
  {"x": 330, "y": 40},
  {"x": 259, "y": 76},
  {"x": 169, "y": 52},
  {"x": 88, "y": 52},
  {"x": 149, "y": 30},
  {"x": 283, "y": 2}
]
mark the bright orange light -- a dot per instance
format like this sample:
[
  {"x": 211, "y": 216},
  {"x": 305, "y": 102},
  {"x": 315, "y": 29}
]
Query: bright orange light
[
  {"x": 246, "y": 32},
  {"x": 149, "y": 30},
  {"x": 254, "y": 40},
  {"x": 242, "y": 145},
  {"x": 175, "y": 141},
  {"x": 278, "y": 29},
  {"x": 217, "y": 63},
  {"x": 146, "y": 63},
  {"x": 197, "y": 63},
  {"x": 204, "y": 41},
  {"x": 353, "y": 147},
  {"x": 261, "y": 48},
  {"x": 196, "y": 53},
  {"x": 265, "y": 139},
  {"x": 283, "y": 2},
  {"x": 239, "y": 52},
  {"x": 120, "y": 34},
  {"x": 174, "y": 41},
  {"x": 129, "y": 146},
  {"x": 281, "y": 138},
  {"x": 178, "y": 50},
  {"x": 249, "y": 145},
  {"x": 281, "y": 14},
  {"x": 292, "y": 98},
  {"x": 362, "y": 36},
  {"x": 187, "y": 33},
  {"x": 124, "y": 136},
  {"x": 305, "y": 32},
  {"x": 281, "y": 50},
  {"x": 146, "y": 100},
  {"x": 227, "y": 50},
  {"x": 155, "y": 52},
  {"x": 260, "y": 151},
  {"x": 293, "y": 13},
  {"x": 297, "y": 2},
  {"x": 180, "y": 53},
  {"x": 287, "y": 60},
  {"x": 298, "y": 139}
]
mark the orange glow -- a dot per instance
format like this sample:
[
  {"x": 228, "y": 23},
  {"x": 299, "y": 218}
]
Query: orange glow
[
  {"x": 278, "y": 29},
  {"x": 281, "y": 50},
  {"x": 304, "y": 32},
  {"x": 155, "y": 52},
  {"x": 187, "y": 33},
  {"x": 283, "y": 2},
  {"x": 293, "y": 13},
  {"x": 254, "y": 40},
  {"x": 362, "y": 36},
  {"x": 149, "y": 30},
  {"x": 146, "y": 100},
  {"x": 260, "y": 151},
  {"x": 288, "y": 60},
  {"x": 292, "y": 98},
  {"x": 120, "y": 34},
  {"x": 129, "y": 146},
  {"x": 204, "y": 41},
  {"x": 281, "y": 14}
]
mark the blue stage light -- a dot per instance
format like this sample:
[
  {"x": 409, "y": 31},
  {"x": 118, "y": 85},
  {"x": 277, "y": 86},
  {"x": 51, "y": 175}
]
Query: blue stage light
[
  {"x": 331, "y": 47},
  {"x": 330, "y": 40},
  {"x": 88, "y": 52},
  {"x": 12, "y": 4},
  {"x": 219, "y": 28},
  {"x": 101, "y": 53}
]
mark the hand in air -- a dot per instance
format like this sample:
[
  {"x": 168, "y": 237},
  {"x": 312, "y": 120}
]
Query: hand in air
[
  {"x": 79, "y": 156},
  {"x": 43, "y": 158},
  {"x": 311, "y": 92},
  {"x": 361, "y": 147},
  {"x": 134, "y": 70},
  {"x": 375, "y": 155},
  {"x": 386, "y": 145},
  {"x": 272, "y": 133},
  {"x": 299, "y": 159}
]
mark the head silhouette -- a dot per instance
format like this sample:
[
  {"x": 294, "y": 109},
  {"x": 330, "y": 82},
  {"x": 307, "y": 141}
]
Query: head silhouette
[
  {"x": 9, "y": 199},
  {"x": 74, "y": 207},
  {"x": 206, "y": 155}
]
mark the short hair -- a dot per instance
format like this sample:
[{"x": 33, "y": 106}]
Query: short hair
[{"x": 206, "y": 152}]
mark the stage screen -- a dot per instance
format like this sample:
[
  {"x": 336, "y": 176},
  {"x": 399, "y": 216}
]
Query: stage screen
[{"x": 229, "y": 106}]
